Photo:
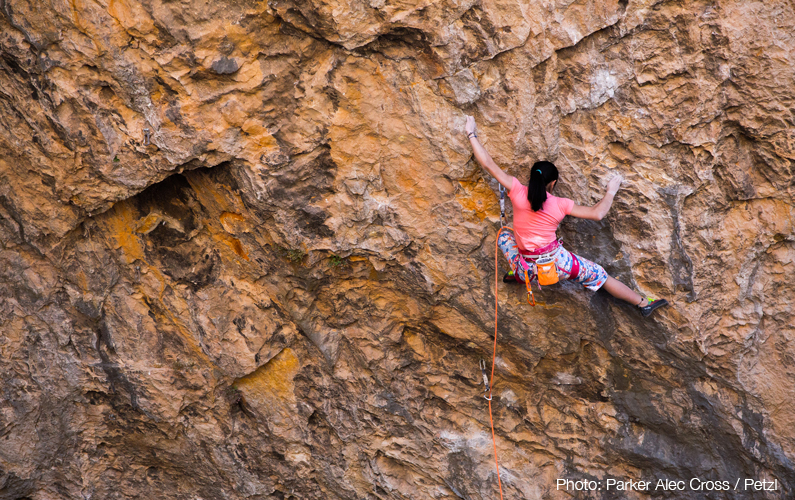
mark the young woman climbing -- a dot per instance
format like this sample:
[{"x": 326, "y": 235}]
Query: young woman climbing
[{"x": 536, "y": 216}]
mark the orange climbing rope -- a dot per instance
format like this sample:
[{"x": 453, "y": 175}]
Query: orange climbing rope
[
  {"x": 530, "y": 300},
  {"x": 494, "y": 354},
  {"x": 490, "y": 381}
]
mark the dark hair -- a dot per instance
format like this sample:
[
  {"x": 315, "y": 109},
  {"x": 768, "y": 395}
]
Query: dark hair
[{"x": 542, "y": 174}]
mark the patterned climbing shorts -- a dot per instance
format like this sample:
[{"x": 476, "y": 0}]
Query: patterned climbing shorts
[{"x": 592, "y": 276}]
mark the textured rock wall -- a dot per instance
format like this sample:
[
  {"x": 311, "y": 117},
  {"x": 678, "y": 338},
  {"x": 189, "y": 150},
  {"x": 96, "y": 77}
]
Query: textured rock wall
[{"x": 285, "y": 294}]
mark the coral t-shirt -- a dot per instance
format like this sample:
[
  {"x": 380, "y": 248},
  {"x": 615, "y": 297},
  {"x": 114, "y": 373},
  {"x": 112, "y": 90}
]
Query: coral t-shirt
[{"x": 536, "y": 229}]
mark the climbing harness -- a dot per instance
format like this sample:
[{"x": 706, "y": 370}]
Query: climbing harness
[{"x": 544, "y": 261}]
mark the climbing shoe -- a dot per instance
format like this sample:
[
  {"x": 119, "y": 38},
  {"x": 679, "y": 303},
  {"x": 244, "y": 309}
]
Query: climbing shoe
[
  {"x": 511, "y": 277},
  {"x": 653, "y": 304}
]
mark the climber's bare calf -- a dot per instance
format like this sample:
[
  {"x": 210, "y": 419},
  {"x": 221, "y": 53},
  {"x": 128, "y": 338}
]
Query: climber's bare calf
[{"x": 621, "y": 291}]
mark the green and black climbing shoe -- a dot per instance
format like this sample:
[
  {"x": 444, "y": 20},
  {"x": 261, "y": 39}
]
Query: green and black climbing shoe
[
  {"x": 653, "y": 304},
  {"x": 511, "y": 277}
]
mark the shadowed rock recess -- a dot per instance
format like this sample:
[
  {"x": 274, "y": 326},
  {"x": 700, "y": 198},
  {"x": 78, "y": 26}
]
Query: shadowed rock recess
[{"x": 246, "y": 252}]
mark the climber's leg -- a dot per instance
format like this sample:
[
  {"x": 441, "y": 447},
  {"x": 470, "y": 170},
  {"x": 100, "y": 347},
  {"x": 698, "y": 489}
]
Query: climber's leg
[
  {"x": 621, "y": 291},
  {"x": 593, "y": 276},
  {"x": 590, "y": 275},
  {"x": 507, "y": 244}
]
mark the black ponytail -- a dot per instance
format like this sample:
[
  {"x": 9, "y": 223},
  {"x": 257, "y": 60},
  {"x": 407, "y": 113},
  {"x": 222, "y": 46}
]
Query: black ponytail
[{"x": 542, "y": 174}]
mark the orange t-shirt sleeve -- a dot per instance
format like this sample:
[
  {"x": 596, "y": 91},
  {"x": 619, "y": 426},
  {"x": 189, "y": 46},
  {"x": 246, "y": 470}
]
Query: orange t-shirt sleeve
[
  {"x": 565, "y": 205},
  {"x": 515, "y": 184}
]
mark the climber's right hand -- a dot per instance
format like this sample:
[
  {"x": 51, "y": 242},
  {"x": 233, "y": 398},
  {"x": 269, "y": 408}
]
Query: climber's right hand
[{"x": 470, "y": 125}]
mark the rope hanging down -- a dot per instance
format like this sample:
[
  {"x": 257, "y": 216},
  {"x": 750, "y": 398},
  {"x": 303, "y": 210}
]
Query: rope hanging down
[{"x": 490, "y": 382}]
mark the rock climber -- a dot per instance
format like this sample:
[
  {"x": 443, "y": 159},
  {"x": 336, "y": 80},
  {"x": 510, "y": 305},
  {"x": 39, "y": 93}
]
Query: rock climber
[{"x": 536, "y": 216}]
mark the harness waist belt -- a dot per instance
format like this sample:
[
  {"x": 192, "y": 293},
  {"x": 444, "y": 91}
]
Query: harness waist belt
[
  {"x": 538, "y": 252},
  {"x": 551, "y": 248}
]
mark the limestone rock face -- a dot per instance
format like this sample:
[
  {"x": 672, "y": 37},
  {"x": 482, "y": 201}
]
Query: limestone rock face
[{"x": 245, "y": 251}]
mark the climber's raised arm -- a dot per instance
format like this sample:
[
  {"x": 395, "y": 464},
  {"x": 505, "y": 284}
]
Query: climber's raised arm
[
  {"x": 483, "y": 157},
  {"x": 598, "y": 211}
]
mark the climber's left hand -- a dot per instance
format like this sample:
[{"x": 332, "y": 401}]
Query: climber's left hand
[{"x": 615, "y": 182}]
